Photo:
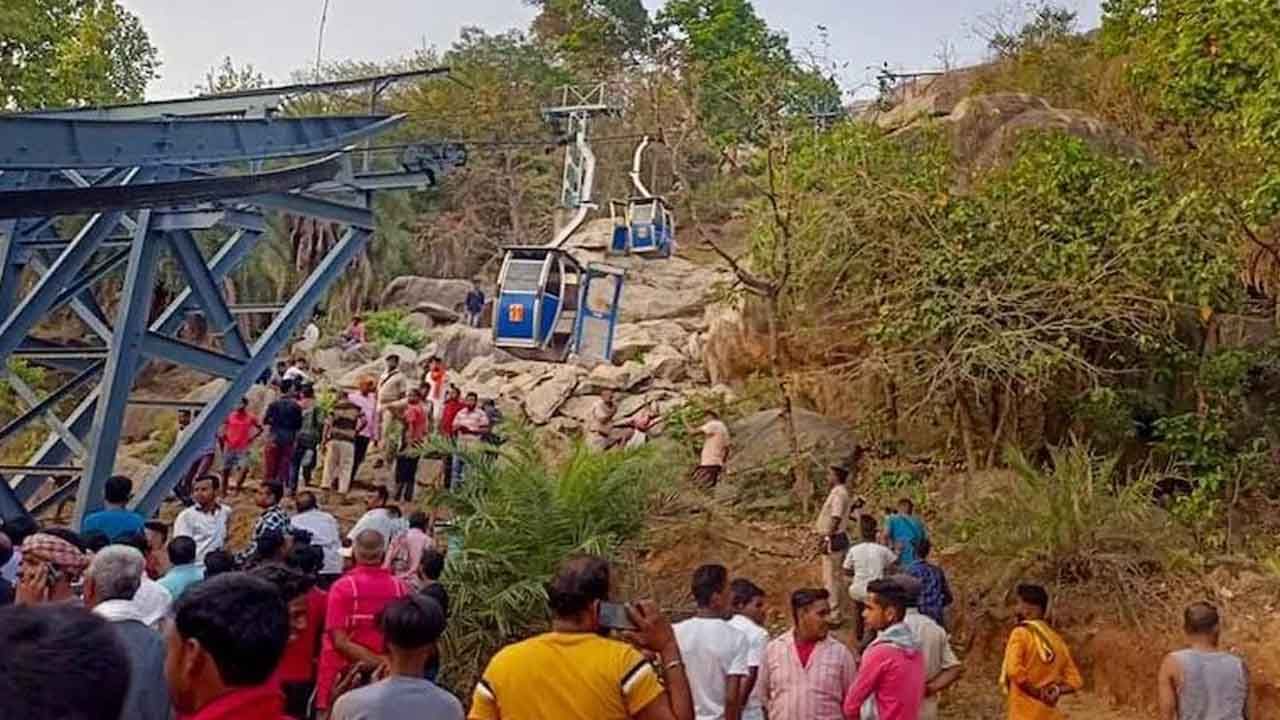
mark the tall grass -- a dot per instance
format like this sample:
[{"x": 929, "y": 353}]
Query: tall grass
[
  {"x": 518, "y": 517},
  {"x": 1078, "y": 520}
]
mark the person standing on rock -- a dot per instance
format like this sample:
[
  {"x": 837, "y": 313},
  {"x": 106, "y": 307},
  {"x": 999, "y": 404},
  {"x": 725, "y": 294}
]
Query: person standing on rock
[
  {"x": 436, "y": 382},
  {"x": 470, "y": 426},
  {"x": 343, "y": 427},
  {"x": 238, "y": 432},
  {"x": 474, "y": 305},
  {"x": 452, "y": 406},
  {"x": 600, "y": 428},
  {"x": 1202, "y": 682},
  {"x": 832, "y": 528},
  {"x": 715, "y": 451},
  {"x": 367, "y": 401},
  {"x": 1037, "y": 669},
  {"x": 415, "y": 421},
  {"x": 393, "y": 387}
]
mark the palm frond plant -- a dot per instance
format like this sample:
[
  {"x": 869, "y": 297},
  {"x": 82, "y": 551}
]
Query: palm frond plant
[{"x": 518, "y": 515}]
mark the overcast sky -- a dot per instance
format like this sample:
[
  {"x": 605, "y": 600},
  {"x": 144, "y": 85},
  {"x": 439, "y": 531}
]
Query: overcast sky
[{"x": 279, "y": 36}]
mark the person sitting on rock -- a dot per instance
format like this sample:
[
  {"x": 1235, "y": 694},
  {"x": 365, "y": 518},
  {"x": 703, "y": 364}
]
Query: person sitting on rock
[{"x": 354, "y": 336}]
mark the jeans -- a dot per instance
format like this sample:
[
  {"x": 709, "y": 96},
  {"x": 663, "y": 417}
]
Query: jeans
[
  {"x": 473, "y": 318},
  {"x": 458, "y": 466}
]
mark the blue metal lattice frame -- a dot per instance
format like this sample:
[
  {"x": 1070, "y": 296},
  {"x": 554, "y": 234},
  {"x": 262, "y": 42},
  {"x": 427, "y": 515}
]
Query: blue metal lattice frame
[{"x": 147, "y": 183}]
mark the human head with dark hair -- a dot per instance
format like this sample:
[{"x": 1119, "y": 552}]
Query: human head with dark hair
[
  {"x": 269, "y": 495},
  {"x": 135, "y": 540},
  {"x": 298, "y": 537},
  {"x": 1033, "y": 602},
  {"x": 431, "y": 566},
  {"x": 923, "y": 548},
  {"x": 272, "y": 546},
  {"x": 868, "y": 528},
  {"x": 306, "y": 559},
  {"x": 308, "y": 391},
  {"x": 392, "y": 361},
  {"x": 293, "y": 586},
  {"x": 911, "y": 588},
  {"x": 411, "y": 626},
  {"x": 1201, "y": 621},
  {"x": 886, "y": 604},
  {"x": 204, "y": 491},
  {"x": 218, "y": 562},
  {"x": 60, "y": 661},
  {"x": 118, "y": 490},
  {"x": 393, "y": 511},
  {"x": 577, "y": 589},
  {"x": 305, "y": 501},
  {"x": 837, "y": 475},
  {"x": 906, "y": 506},
  {"x": 95, "y": 540},
  {"x": 182, "y": 550},
  {"x": 227, "y": 634},
  {"x": 810, "y": 609},
  {"x": 19, "y": 528},
  {"x": 471, "y": 400},
  {"x": 710, "y": 588},
  {"x": 747, "y": 599},
  {"x": 418, "y": 520}
]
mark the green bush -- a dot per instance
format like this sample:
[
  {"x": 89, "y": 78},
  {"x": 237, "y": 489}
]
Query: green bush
[
  {"x": 1078, "y": 520},
  {"x": 518, "y": 516},
  {"x": 391, "y": 327}
]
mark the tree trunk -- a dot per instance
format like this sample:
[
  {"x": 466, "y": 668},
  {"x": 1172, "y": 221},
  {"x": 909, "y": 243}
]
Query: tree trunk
[
  {"x": 891, "y": 404},
  {"x": 965, "y": 414},
  {"x": 801, "y": 486},
  {"x": 1002, "y": 404}
]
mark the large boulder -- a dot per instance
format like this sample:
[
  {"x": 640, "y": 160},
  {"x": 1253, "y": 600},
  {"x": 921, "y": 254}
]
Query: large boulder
[
  {"x": 439, "y": 314},
  {"x": 408, "y": 356},
  {"x": 259, "y": 395},
  {"x": 329, "y": 360},
  {"x": 458, "y": 345},
  {"x": 543, "y": 401},
  {"x": 760, "y": 439},
  {"x": 616, "y": 377},
  {"x": 353, "y": 377},
  {"x": 735, "y": 344},
  {"x": 922, "y": 98},
  {"x": 410, "y": 292},
  {"x": 419, "y": 321},
  {"x": 667, "y": 363},
  {"x": 579, "y": 407}
]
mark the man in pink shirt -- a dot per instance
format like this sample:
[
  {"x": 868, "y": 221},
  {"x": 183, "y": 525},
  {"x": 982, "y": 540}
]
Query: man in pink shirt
[
  {"x": 406, "y": 550},
  {"x": 351, "y": 633},
  {"x": 890, "y": 684},
  {"x": 806, "y": 672}
]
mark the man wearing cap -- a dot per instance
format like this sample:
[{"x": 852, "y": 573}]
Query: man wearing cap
[
  {"x": 941, "y": 666},
  {"x": 51, "y": 564}
]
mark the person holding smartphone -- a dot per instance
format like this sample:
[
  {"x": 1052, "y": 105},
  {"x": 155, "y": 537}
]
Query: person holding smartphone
[
  {"x": 575, "y": 673},
  {"x": 52, "y": 562}
]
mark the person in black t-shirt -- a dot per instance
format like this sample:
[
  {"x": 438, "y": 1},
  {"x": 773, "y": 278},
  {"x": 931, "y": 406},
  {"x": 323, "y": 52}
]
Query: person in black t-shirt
[
  {"x": 284, "y": 417},
  {"x": 430, "y": 568}
]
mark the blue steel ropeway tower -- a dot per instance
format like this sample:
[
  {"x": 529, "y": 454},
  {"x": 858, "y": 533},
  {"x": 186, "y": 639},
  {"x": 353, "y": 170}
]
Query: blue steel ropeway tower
[{"x": 90, "y": 194}]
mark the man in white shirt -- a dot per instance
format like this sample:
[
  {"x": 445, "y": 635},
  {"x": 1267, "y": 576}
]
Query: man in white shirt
[
  {"x": 941, "y": 666},
  {"x": 324, "y": 533},
  {"x": 715, "y": 451},
  {"x": 298, "y": 372},
  {"x": 748, "y": 608},
  {"x": 865, "y": 562},
  {"x": 714, "y": 652},
  {"x": 206, "y": 520},
  {"x": 379, "y": 518}
]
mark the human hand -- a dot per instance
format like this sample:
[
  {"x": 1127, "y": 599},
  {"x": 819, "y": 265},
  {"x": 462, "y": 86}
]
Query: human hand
[
  {"x": 653, "y": 630},
  {"x": 1051, "y": 695},
  {"x": 33, "y": 586}
]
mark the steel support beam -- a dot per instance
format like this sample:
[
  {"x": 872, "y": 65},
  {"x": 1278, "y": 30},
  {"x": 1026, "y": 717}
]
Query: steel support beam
[
  {"x": 272, "y": 342},
  {"x": 297, "y": 204},
  {"x": 122, "y": 366},
  {"x": 54, "y": 280},
  {"x": 233, "y": 252},
  {"x": 46, "y": 406},
  {"x": 208, "y": 294},
  {"x": 29, "y": 396},
  {"x": 11, "y": 507},
  {"x": 57, "y": 144},
  {"x": 163, "y": 347}
]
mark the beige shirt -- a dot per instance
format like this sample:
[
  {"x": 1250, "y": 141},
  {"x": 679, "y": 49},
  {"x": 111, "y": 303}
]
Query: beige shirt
[
  {"x": 602, "y": 417},
  {"x": 835, "y": 511},
  {"x": 715, "y": 451},
  {"x": 392, "y": 387},
  {"x": 938, "y": 655}
]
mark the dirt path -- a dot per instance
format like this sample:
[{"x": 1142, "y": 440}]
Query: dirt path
[{"x": 976, "y": 697}]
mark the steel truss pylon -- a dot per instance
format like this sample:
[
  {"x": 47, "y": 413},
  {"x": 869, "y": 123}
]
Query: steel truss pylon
[{"x": 87, "y": 196}]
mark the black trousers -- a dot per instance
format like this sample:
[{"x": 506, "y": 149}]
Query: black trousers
[
  {"x": 362, "y": 450},
  {"x": 406, "y": 478}
]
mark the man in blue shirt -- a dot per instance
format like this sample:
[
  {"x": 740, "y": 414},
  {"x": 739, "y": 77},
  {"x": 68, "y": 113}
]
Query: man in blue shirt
[
  {"x": 905, "y": 532},
  {"x": 183, "y": 570},
  {"x": 115, "y": 521},
  {"x": 474, "y": 304},
  {"x": 935, "y": 593}
]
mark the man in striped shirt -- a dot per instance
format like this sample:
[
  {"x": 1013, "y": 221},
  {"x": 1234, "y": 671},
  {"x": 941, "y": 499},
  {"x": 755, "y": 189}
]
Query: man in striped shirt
[{"x": 806, "y": 673}]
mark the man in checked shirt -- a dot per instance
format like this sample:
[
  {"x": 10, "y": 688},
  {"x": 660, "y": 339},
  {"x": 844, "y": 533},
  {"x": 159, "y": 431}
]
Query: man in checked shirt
[{"x": 273, "y": 517}]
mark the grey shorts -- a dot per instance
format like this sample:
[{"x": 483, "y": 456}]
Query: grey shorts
[{"x": 235, "y": 459}]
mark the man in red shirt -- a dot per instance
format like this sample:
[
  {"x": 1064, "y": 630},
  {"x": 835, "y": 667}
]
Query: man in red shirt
[
  {"x": 226, "y": 639},
  {"x": 452, "y": 406},
  {"x": 416, "y": 424},
  {"x": 238, "y": 433},
  {"x": 351, "y": 630},
  {"x": 296, "y": 674}
]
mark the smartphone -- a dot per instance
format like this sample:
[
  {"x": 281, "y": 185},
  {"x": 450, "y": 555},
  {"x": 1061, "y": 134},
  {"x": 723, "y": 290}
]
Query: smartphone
[{"x": 614, "y": 616}]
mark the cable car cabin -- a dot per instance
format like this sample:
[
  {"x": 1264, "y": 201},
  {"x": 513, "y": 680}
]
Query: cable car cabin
[
  {"x": 598, "y": 313},
  {"x": 537, "y": 306},
  {"x": 643, "y": 226}
]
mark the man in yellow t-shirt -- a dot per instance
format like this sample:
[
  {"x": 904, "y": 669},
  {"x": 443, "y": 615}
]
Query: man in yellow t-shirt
[
  {"x": 1038, "y": 669},
  {"x": 573, "y": 673}
]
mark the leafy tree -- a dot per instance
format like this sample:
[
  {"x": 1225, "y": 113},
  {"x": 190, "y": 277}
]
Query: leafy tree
[
  {"x": 1049, "y": 24},
  {"x": 596, "y": 36},
  {"x": 228, "y": 77},
  {"x": 58, "y": 53}
]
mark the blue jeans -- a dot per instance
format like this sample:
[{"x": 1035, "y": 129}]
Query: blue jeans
[{"x": 458, "y": 465}]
